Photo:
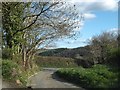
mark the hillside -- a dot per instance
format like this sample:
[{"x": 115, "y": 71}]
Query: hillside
[
  {"x": 51, "y": 52},
  {"x": 70, "y": 53},
  {"x": 81, "y": 56}
]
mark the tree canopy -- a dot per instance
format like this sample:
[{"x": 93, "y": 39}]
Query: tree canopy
[{"x": 27, "y": 26}]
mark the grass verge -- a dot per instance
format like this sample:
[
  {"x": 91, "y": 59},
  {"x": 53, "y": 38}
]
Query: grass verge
[{"x": 15, "y": 73}]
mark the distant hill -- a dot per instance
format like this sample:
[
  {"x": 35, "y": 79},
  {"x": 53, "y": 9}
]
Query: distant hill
[
  {"x": 70, "y": 53},
  {"x": 81, "y": 56},
  {"x": 51, "y": 52}
]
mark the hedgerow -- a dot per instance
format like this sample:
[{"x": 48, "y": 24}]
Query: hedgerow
[{"x": 99, "y": 76}]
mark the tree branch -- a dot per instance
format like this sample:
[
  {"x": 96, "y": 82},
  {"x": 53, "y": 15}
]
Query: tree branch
[
  {"x": 40, "y": 41},
  {"x": 42, "y": 11}
]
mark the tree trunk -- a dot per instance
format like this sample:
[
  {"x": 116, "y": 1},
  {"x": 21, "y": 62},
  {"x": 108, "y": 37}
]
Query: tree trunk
[
  {"x": 30, "y": 57},
  {"x": 24, "y": 56}
]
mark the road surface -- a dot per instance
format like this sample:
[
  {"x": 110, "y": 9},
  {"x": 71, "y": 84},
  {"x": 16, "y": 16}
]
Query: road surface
[{"x": 47, "y": 79}]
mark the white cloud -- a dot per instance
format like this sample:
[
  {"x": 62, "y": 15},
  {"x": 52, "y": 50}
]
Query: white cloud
[
  {"x": 91, "y": 5},
  {"x": 115, "y": 30},
  {"x": 104, "y": 5},
  {"x": 75, "y": 41},
  {"x": 89, "y": 16},
  {"x": 88, "y": 7}
]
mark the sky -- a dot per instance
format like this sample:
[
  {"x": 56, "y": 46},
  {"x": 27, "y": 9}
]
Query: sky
[{"x": 99, "y": 16}]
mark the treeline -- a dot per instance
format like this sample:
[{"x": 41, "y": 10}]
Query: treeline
[{"x": 101, "y": 49}]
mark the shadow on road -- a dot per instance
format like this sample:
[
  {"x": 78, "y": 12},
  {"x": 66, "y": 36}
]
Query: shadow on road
[{"x": 54, "y": 76}]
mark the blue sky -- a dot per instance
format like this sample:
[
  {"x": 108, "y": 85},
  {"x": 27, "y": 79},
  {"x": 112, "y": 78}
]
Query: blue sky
[{"x": 99, "y": 16}]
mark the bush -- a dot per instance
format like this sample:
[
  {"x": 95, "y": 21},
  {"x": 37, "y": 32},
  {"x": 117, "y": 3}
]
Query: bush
[
  {"x": 113, "y": 57},
  {"x": 17, "y": 58},
  {"x": 7, "y": 53},
  {"x": 7, "y": 69},
  {"x": 12, "y": 71},
  {"x": 99, "y": 76}
]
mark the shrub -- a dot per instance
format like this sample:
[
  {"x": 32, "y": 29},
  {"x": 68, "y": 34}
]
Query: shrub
[
  {"x": 7, "y": 53},
  {"x": 7, "y": 69},
  {"x": 113, "y": 57},
  {"x": 99, "y": 76},
  {"x": 12, "y": 71}
]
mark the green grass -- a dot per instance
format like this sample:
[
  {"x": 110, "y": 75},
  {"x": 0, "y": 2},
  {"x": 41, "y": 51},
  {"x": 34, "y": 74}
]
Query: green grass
[{"x": 99, "y": 76}]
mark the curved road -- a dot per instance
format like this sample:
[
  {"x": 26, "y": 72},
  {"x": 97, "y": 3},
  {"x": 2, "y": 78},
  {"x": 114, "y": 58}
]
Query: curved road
[{"x": 47, "y": 79}]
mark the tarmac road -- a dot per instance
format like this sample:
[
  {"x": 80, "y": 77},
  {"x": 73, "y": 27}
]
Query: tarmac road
[{"x": 47, "y": 79}]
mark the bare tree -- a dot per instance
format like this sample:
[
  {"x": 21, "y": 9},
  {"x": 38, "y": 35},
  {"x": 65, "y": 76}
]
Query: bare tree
[
  {"x": 39, "y": 24},
  {"x": 101, "y": 44}
]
